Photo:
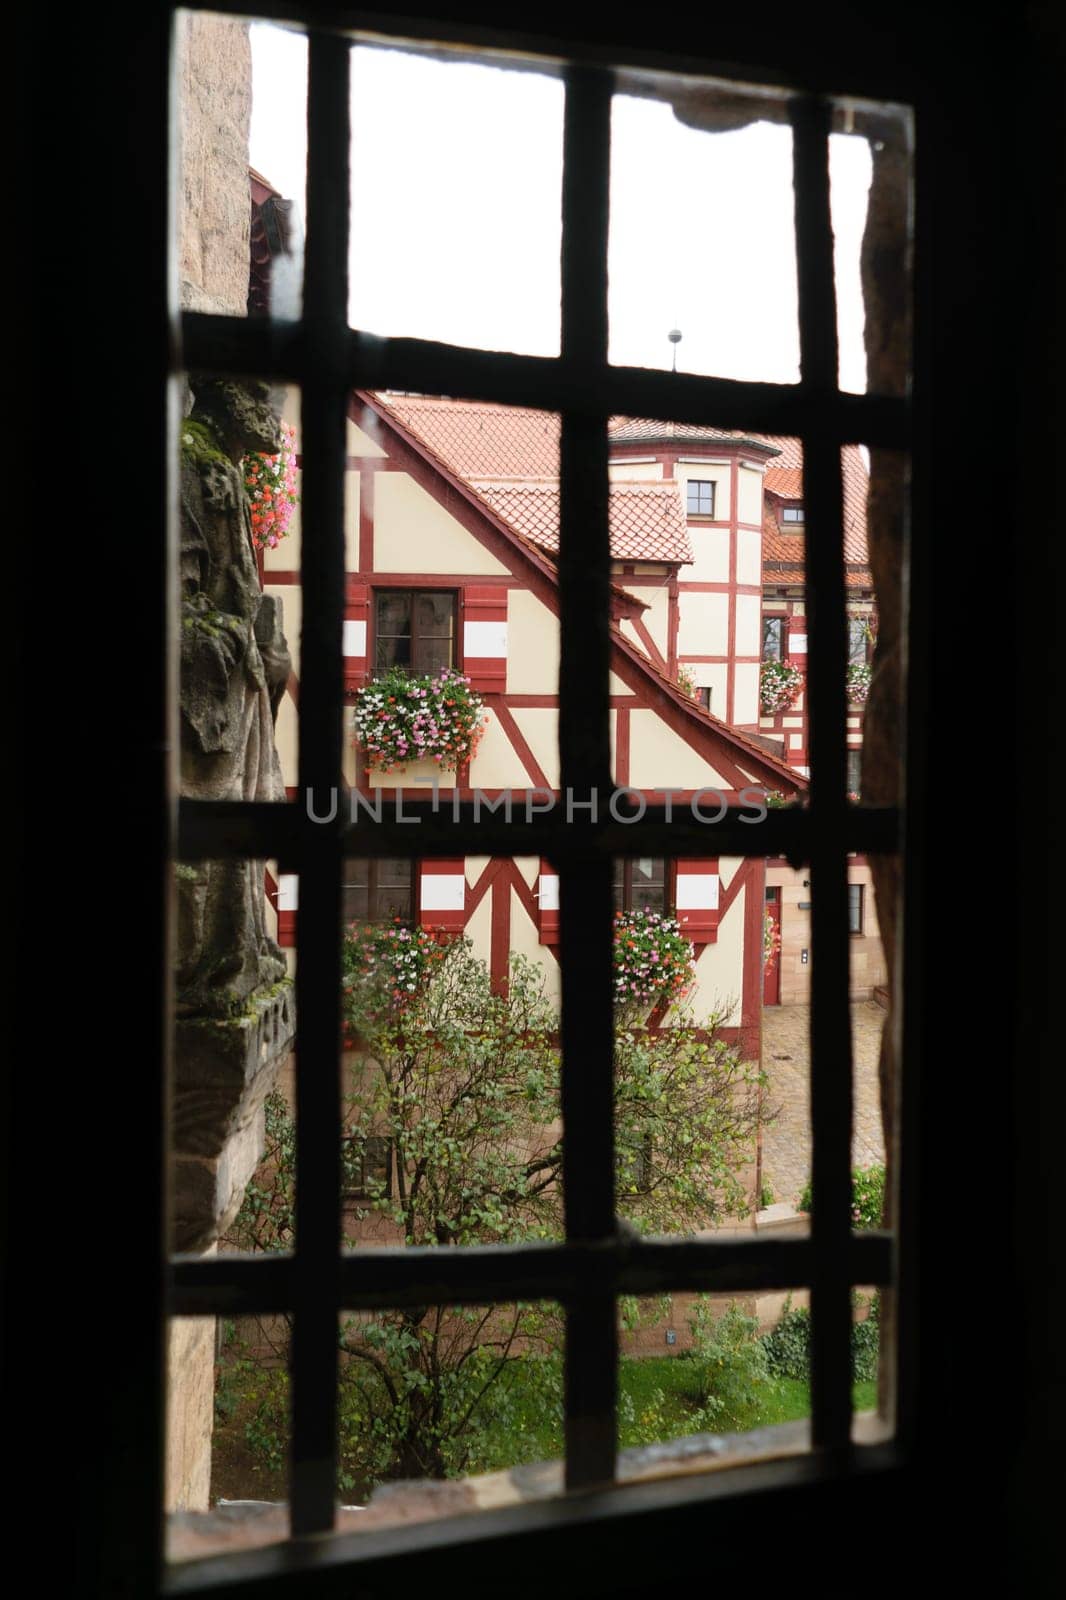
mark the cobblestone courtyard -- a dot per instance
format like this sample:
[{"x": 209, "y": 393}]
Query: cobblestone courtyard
[{"x": 786, "y": 1058}]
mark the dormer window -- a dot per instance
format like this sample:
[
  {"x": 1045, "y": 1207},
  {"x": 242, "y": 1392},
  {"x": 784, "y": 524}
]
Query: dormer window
[
  {"x": 792, "y": 514},
  {"x": 699, "y": 497}
]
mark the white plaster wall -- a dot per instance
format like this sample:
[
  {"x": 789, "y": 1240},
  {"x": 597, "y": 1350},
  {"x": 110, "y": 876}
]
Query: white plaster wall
[
  {"x": 525, "y": 941},
  {"x": 657, "y": 617},
  {"x": 497, "y": 764},
  {"x": 749, "y": 625},
  {"x": 749, "y": 495},
  {"x": 412, "y": 533},
  {"x": 660, "y": 756},
  {"x": 358, "y": 443},
  {"x": 710, "y": 555},
  {"x": 533, "y": 645},
  {"x": 704, "y": 624},
  {"x": 540, "y": 728},
  {"x": 720, "y": 969},
  {"x": 749, "y": 556},
  {"x": 479, "y": 929},
  {"x": 352, "y": 495},
  {"x": 746, "y": 694}
]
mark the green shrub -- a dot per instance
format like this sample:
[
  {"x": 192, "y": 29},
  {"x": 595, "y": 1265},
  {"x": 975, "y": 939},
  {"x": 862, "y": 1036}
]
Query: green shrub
[
  {"x": 732, "y": 1375},
  {"x": 866, "y": 1344},
  {"x": 867, "y": 1196},
  {"x": 788, "y": 1346}
]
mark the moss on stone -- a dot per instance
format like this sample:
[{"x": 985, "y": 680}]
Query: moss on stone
[{"x": 199, "y": 443}]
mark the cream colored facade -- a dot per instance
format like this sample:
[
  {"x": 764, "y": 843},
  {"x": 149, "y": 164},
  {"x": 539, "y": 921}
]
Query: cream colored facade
[{"x": 410, "y": 520}]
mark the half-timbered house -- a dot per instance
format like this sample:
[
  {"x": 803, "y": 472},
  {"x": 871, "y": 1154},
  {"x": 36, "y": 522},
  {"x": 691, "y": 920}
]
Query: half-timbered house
[
  {"x": 707, "y": 532},
  {"x": 452, "y": 565}
]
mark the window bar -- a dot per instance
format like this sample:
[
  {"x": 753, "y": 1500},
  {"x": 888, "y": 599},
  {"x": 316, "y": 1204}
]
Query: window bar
[
  {"x": 318, "y": 974},
  {"x": 831, "y": 1086},
  {"x": 586, "y": 903},
  {"x": 394, "y": 1276},
  {"x": 551, "y": 383}
]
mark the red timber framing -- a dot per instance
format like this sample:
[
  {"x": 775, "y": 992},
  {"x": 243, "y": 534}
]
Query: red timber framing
[
  {"x": 445, "y": 899},
  {"x": 739, "y": 759}
]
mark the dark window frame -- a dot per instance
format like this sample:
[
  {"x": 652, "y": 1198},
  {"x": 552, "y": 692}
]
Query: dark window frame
[
  {"x": 780, "y": 617},
  {"x": 855, "y": 621},
  {"x": 856, "y": 909},
  {"x": 624, "y": 901},
  {"x": 375, "y": 889},
  {"x": 793, "y": 517},
  {"x": 417, "y": 667},
  {"x": 828, "y": 1258}
]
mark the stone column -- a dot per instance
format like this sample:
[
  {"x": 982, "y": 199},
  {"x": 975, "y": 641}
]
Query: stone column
[{"x": 235, "y": 1017}]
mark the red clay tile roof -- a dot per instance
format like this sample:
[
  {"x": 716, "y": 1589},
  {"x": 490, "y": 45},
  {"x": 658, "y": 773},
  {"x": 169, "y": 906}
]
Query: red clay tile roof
[
  {"x": 647, "y": 521},
  {"x": 482, "y": 441},
  {"x": 490, "y": 446},
  {"x": 642, "y": 430},
  {"x": 782, "y": 553},
  {"x": 785, "y": 481}
]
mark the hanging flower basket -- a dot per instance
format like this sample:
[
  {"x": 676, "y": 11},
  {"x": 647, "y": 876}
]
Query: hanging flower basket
[
  {"x": 779, "y": 686},
  {"x": 399, "y": 719},
  {"x": 858, "y": 682},
  {"x": 270, "y": 484},
  {"x": 653, "y": 961},
  {"x": 385, "y": 967}
]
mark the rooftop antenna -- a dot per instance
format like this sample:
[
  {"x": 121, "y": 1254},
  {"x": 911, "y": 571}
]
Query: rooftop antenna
[{"x": 674, "y": 337}]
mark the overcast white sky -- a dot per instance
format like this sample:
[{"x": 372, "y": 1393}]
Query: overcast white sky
[{"x": 455, "y": 215}]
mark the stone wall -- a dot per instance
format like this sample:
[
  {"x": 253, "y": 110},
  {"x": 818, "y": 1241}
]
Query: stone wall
[
  {"x": 190, "y": 1412},
  {"x": 215, "y": 104},
  {"x": 215, "y": 109}
]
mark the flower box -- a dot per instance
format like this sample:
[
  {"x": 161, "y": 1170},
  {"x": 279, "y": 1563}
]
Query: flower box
[
  {"x": 780, "y": 683},
  {"x": 432, "y": 723}
]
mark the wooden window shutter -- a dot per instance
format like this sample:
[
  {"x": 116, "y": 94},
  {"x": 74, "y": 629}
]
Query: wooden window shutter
[
  {"x": 485, "y": 637},
  {"x": 548, "y": 904},
  {"x": 356, "y": 617},
  {"x": 696, "y": 899},
  {"x": 442, "y": 895},
  {"x": 287, "y": 902}
]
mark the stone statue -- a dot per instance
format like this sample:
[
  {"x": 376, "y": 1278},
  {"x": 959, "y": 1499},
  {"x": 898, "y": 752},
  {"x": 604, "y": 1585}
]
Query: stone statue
[
  {"x": 234, "y": 667},
  {"x": 234, "y": 1011}
]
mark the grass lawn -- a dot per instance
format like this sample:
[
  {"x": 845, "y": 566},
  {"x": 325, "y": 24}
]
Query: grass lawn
[
  {"x": 658, "y": 1401},
  {"x": 522, "y": 1422}
]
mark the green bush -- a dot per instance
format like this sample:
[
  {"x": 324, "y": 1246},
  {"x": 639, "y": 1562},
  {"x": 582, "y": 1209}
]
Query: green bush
[
  {"x": 731, "y": 1371},
  {"x": 867, "y": 1196},
  {"x": 788, "y": 1346},
  {"x": 866, "y": 1344}
]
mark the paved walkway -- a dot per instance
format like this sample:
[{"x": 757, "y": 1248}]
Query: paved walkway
[{"x": 786, "y": 1058}]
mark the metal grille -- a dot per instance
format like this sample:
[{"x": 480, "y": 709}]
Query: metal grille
[{"x": 594, "y": 1265}]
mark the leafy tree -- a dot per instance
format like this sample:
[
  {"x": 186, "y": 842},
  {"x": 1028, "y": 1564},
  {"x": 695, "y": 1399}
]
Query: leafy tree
[{"x": 463, "y": 1084}]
